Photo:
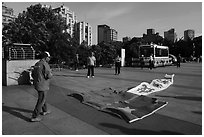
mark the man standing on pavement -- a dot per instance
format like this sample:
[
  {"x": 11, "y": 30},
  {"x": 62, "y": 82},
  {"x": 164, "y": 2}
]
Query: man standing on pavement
[
  {"x": 41, "y": 80},
  {"x": 76, "y": 62},
  {"x": 151, "y": 62},
  {"x": 117, "y": 65},
  {"x": 142, "y": 61},
  {"x": 91, "y": 62},
  {"x": 178, "y": 61}
]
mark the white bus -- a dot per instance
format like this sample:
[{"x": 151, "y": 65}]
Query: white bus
[{"x": 160, "y": 54}]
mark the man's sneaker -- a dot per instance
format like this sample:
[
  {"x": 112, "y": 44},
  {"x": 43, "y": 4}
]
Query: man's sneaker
[
  {"x": 92, "y": 76},
  {"x": 46, "y": 113},
  {"x": 37, "y": 119},
  {"x": 87, "y": 76}
]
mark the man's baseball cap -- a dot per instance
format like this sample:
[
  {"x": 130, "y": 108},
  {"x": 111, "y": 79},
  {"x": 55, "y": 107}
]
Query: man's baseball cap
[
  {"x": 48, "y": 54},
  {"x": 45, "y": 54}
]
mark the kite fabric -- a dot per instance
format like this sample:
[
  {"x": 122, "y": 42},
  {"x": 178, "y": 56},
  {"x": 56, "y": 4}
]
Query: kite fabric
[
  {"x": 127, "y": 105},
  {"x": 156, "y": 85}
]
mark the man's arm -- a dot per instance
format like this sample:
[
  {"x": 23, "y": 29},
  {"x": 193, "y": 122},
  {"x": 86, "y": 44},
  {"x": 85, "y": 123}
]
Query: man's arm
[{"x": 48, "y": 72}]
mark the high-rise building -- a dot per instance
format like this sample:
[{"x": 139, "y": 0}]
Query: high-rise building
[
  {"x": 7, "y": 14},
  {"x": 170, "y": 35},
  {"x": 84, "y": 33},
  {"x": 103, "y": 33},
  {"x": 106, "y": 34},
  {"x": 150, "y": 32},
  {"x": 70, "y": 17},
  {"x": 189, "y": 34},
  {"x": 113, "y": 35}
]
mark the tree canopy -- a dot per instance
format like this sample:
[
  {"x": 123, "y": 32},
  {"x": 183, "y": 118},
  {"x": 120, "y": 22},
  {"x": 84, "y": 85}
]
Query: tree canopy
[{"x": 43, "y": 28}]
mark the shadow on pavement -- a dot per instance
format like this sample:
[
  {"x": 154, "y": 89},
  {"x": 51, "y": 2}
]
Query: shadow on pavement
[
  {"x": 131, "y": 131},
  {"x": 183, "y": 97},
  {"x": 197, "y": 112},
  {"x": 76, "y": 96},
  {"x": 14, "y": 111}
]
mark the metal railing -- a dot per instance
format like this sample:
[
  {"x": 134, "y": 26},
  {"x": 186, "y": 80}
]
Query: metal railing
[{"x": 18, "y": 53}]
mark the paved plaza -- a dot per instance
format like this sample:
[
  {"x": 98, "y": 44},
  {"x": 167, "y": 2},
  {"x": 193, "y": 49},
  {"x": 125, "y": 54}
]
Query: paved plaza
[{"x": 182, "y": 115}]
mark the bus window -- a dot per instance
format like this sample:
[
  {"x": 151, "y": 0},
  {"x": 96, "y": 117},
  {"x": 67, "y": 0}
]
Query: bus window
[
  {"x": 165, "y": 52},
  {"x": 146, "y": 51},
  {"x": 157, "y": 52},
  {"x": 160, "y": 52}
]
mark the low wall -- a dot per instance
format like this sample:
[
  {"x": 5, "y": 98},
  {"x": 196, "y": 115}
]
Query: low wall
[{"x": 15, "y": 72}]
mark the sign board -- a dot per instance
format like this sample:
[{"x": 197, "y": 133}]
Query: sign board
[{"x": 122, "y": 57}]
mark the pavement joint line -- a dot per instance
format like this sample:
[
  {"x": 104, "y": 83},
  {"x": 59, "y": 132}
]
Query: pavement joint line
[{"x": 48, "y": 128}]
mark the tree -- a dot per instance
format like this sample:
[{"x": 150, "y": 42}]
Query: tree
[
  {"x": 98, "y": 54},
  {"x": 108, "y": 53},
  {"x": 171, "y": 45},
  {"x": 44, "y": 29},
  {"x": 183, "y": 48},
  {"x": 83, "y": 52},
  {"x": 198, "y": 46},
  {"x": 154, "y": 38},
  {"x": 132, "y": 48},
  {"x": 118, "y": 46}
]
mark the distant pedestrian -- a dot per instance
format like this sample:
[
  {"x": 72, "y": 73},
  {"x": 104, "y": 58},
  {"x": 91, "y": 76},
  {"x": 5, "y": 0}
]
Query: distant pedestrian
[
  {"x": 151, "y": 62},
  {"x": 91, "y": 63},
  {"x": 41, "y": 80},
  {"x": 142, "y": 62},
  {"x": 117, "y": 65},
  {"x": 178, "y": 61},
  {"x": 76, "y": 62}
]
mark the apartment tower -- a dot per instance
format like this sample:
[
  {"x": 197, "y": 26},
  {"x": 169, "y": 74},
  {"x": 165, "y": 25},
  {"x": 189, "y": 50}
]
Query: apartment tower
[
  {"x": 106, "y": 34},
  {"x": 150, "y": 32},
  {"x": 84, "y": 33},
  {"x": 7, "y": 14},
  {"x": 189, "y": 34},
  {"x": 70, "y": 17},
  {"x": 170, "y": 35}
]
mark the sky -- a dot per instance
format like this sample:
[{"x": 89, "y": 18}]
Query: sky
[{"x": 131, "y": 18}]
